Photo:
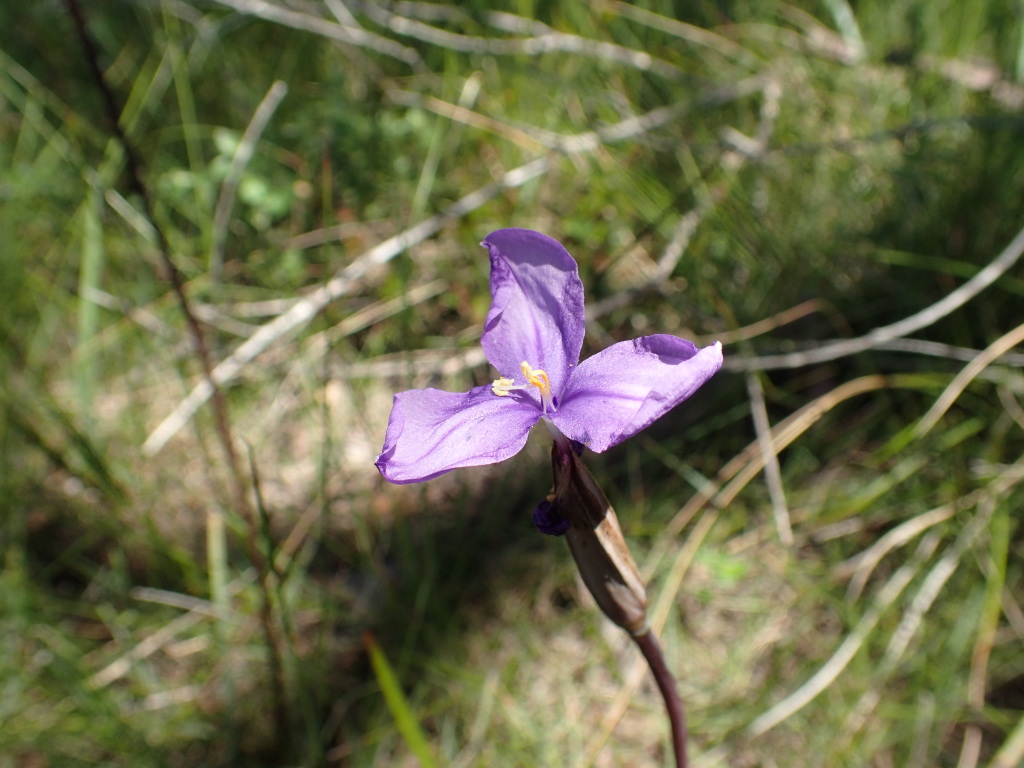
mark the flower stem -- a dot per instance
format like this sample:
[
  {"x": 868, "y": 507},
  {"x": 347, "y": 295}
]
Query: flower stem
[
  {"x": 607, "y": 568},
  {"x": 667, "y": 685}
]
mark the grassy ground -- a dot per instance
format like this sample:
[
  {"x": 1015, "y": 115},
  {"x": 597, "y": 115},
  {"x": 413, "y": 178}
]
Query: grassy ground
[{"x": 830, "y": 530}]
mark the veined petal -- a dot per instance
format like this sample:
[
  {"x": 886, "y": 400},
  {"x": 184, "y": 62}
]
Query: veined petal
[
  {"x": 536, "y": 312},
  {"x": 624, "y": 388},
  {"x": 432, "y": 431}
]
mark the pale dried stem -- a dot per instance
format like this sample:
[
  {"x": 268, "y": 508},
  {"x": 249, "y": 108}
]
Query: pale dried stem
[
  {"x": 239, "y": 162},
  {"x": 852, "y": 643},
  {"x": 673, "y": 251},
  {"x": 770, "y": 460},
  {"x": 862, "y": 565},
  {"x": 152, "y": 643},
  {"x": 744, "y": 466},
  {"x": 768, "y": 324},
  {"x": 987, "y": 626},
  {"x": 524, "y": 138},
  {"x": 196, "y": 611},
  {"x": 1011, "y": 753},
  {"x": 688, "y": 223},
  {"x": 923, "y": 600},
  {"x": 884, "y": 334},
  {"x": 940, "y": 573},
  {"x": 937, "y": 349},
  {"x": 195, "y": 608},
  {"x": 996, "y": 349},
  {"x": 688, "y": 32},
  {"x": 341, "y": 12},
  {"x": 350, "y": 35},
  {"x": 1010, "y": 405},
  {"x": 421, "y": 362},
  {"x": 543, "y": 39},
  {"x": 532, "y": 137},
  {"x": 374, "y": 313}
]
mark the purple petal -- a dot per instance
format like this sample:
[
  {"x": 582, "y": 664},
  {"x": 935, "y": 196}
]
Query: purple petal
[
  {"x": 431, "y": 431},
  {"x": 624, "y": 388},
  {"x": 537, "y": 306}
]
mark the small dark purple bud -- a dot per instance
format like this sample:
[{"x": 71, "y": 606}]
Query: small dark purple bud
[{"x": 548, "y": 520}]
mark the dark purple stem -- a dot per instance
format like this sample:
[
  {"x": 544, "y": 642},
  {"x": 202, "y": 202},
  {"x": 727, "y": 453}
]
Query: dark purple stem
[{"x": 667, "y": 685}]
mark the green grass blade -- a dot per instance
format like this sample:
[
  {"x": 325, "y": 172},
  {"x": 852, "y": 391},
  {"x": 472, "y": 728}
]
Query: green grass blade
[
  {"x": 398, "y": 705},
  {"x": 89, "y": 279},
  {"x": 846, "y": 23}
]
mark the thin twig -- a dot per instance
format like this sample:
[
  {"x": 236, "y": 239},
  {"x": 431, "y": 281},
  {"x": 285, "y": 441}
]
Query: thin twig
[
  {"x": 152, "y": 643},
  {"x": 325, "y": 235},
  {"x": 342, "y": 14},
  {"x": 374, "y": 313},
  {"x": 988, "y": 623},
  {"x": 766, "y": 325}
]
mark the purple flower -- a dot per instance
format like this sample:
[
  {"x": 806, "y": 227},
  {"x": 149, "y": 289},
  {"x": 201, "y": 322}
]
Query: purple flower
[{"x": 533, "y": 337}]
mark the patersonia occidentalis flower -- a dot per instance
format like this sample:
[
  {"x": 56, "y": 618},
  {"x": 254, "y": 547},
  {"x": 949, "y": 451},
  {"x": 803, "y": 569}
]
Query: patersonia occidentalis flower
[{"x": 533, "y": 337}]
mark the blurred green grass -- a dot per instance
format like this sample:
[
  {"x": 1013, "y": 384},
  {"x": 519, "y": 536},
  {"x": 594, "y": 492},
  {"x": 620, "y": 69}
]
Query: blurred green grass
[{"x": 776, "y": 175}]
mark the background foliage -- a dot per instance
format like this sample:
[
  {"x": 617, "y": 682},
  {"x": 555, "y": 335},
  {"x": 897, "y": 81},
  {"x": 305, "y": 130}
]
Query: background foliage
[{"x": 832, "y": 540}]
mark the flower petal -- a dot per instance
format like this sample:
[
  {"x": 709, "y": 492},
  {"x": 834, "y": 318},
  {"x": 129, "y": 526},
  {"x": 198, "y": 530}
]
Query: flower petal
[
  {"x": 431, "y": 431},
  {"x": 624, "y": 388},
  {"x": 537, "y": 306}
]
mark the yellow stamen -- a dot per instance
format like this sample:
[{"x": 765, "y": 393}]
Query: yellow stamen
[
  {"x": 537, "y": 378},
  {"x": 501, "y": 386}
]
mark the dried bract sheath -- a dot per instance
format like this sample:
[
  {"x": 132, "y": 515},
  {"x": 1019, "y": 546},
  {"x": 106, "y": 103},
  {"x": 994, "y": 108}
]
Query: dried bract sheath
[{"x": 596, "y": 542}]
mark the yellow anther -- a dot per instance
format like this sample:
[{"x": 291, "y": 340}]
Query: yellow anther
[
  {"x": 537, "y": 378},
  {"x": 501, "y": 386}
]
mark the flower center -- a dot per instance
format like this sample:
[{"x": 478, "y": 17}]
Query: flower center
[{"x": 534, "y": 378}]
